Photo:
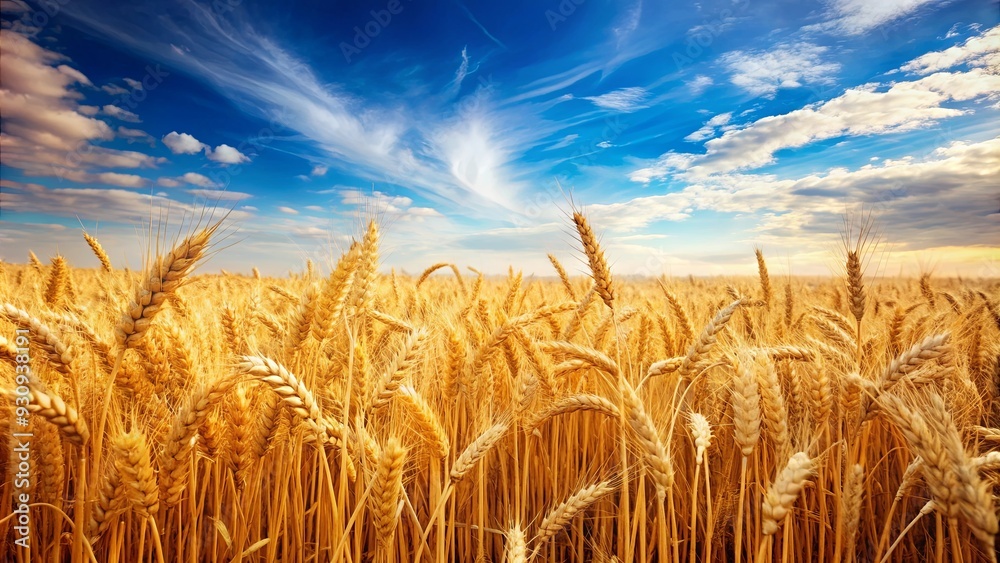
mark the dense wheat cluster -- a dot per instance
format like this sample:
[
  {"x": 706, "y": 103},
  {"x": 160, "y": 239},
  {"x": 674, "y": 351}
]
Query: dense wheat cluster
[{"x": 363, "y": 416}]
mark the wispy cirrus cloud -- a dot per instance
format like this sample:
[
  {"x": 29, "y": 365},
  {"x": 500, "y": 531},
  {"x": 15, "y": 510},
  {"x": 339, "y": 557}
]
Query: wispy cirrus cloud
[
  {"x": 120, "y": 113},
  {"x": 378, "y": 141},
  {"x": 855, "y": 17},
  {"x": 625, "y": 100},
  {"x": 136, "y": 136},
  {"x": 708, "y": 130}
]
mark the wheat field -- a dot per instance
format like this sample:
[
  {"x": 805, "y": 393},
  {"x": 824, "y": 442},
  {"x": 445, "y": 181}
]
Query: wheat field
[{"x": 369, "y": 416}]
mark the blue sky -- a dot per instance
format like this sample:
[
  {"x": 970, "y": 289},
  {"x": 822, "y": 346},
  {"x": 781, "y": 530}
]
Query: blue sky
[{"x": 689, "y": 131}]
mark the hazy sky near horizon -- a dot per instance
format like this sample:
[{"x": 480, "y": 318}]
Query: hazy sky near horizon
[{"x": 689, "y": 131}]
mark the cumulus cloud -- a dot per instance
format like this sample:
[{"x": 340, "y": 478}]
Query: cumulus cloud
[
  {"x": 168, "y": 183},
  {"x": 360, "y": 198},
  {"x": 220, "y": 195},
  {"x": 980, "y": 51},
  {"x": 288, "y": 210},
  {"x": 14, "y": 7},
  {"x": 865, "y": 110},
  {"x": 107, "y": 205},
  {"x": 947, "y": 198},
  {"x": 196, "y": 179},
  {"x": 225, "y": 154},
  {"x": 625, "y": 100},
  {"x": 397, "y": 207},
  {"x": 38, "y": 103},
  {"x": 115, "y": 179},
  {"x": 318, "y": 170},
  {"x": 133, "y": 83},
  {"x": 182, "y": 143},
  {"x": 46, "y": 132},
  {"x": 763, "y": 73},
  {"x": 119, "y": 113}
]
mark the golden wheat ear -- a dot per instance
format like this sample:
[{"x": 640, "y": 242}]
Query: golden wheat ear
[
  {"x": 98, "y": 249},
  {"x": 164, "y": 277},
  {"x": 595, "y": 258}
]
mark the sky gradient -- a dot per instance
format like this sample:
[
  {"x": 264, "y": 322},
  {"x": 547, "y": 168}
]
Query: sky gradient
[{"x": 689, "y": 131}]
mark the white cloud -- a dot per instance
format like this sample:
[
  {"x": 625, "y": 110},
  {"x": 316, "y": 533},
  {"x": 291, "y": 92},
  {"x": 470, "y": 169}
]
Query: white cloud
[
  {"x": 417, "y": 213},
  {"x": 624, "y": 100},
  {"x": 182, "y": 143},
  {"x": 196, "y": 179},
  {"x": 220, "y": 195},
  {"x": 476, "y": 146},
  {"x": 378, "y": 138},
  {"x": 564, "y": 142},
  {"x": 397, "y": 207},
  {"x": 45, "y": 132},
  {"x": 74, "y": 74},
  {"x": 106, "y": 205},
  {"x": 117, "y": 179},
  {"x": 133, "y": 83},
  {"x": 226, "y": 154},
  {"x": 903, "y": 106},
  {"x": 318, "y": 170},
  {"x": 708, "y": 130},
  {"x": 14, "y": 7},
  {"x": 360, "y": 198},
  {"x": 699, "y": 84},
  {"x": 763, "y": 73},
  {"x": 855, "y": 17},
  {"x": 315, "y": 208},
  {"x": 460, "y": 73},
  {"x": 136, "y": 136},
  {"x": 287, "y": 210},
  {"x": 39, "y": 108},
  {"x": 946, "y": 198},
  {"x": 114, "y": 90},
  {"x": 168, "y": 183},
  {"x": 119, "y": 113},
  {"x": 980, "y": 51}
]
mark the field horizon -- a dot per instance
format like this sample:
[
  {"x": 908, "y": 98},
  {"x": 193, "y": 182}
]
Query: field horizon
[{"x": 355, "y": 415}]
